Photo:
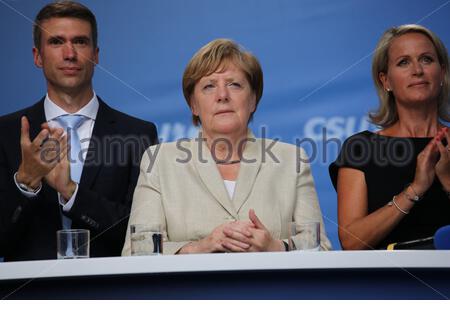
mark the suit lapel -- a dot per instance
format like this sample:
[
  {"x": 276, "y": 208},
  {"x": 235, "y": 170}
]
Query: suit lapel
[
  {"x": 104, "y": 126},
  {"x": 209, "y": 174},
  {"x": 248, "y": 171}
]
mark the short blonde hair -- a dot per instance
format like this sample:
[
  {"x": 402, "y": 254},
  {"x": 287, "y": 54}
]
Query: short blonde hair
[
  {"x": 212, "y": 56},
  {"x": 386, "y": 114}
]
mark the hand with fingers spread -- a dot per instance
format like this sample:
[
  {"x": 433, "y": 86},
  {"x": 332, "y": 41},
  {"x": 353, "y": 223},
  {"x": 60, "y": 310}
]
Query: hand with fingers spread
[
  {"x": 257, "y": 237},
  {"x": 39, "y": 156},
  {"x": 442, "y": 167}
]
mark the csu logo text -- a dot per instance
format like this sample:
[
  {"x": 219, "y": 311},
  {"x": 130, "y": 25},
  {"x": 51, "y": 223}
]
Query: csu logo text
[{"x": 335, "y": 127}]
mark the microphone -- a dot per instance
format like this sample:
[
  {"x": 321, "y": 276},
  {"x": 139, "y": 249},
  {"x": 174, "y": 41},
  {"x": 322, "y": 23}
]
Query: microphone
[
  {"x": 418, "y": 244},
  {"x": 442, "y": 238},
  {"x": 440, "y": 241}
]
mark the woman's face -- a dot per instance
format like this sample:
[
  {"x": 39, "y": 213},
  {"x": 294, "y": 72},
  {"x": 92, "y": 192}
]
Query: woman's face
[
  {"x": 224, "y": 101},
  {"x": 414, "y": 73}
]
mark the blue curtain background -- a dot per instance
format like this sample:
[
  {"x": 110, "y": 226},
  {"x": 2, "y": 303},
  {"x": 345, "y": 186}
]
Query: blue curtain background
[{"x": 316, "y": 56}]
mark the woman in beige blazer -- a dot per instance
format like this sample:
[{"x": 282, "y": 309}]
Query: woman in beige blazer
[{"x": 224, "y": 191}]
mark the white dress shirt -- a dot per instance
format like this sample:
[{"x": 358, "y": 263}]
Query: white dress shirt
[
  {"x": 53, "y": 111},
  {"x": 230, "y": 185}
]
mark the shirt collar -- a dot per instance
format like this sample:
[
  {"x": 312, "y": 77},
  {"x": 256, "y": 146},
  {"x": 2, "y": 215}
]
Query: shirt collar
[{"x": 52, "y": 110}]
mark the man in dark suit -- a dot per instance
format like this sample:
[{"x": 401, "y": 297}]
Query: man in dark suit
[{"x": 44, "y": 185}]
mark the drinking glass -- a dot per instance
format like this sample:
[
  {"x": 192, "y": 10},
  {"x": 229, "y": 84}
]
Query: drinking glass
[
  {"x": 146, "y": 240},
  {"x": 304, "y": 236},
  {"x": 72, "y": 243}
]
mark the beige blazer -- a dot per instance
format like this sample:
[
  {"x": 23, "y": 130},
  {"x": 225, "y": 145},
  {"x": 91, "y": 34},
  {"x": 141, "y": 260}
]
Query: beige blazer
[{"x": 180, "y": 187}]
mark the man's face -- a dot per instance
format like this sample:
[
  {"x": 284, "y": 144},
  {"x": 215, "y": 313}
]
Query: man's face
[{"x": 67, "y": 55}]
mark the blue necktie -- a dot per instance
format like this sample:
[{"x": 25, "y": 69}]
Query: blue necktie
[{"x": 70, "y": 123}]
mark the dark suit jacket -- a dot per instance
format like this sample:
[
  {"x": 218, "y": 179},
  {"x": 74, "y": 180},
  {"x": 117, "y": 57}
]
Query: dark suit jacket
[{"x": 102, "y": 205}]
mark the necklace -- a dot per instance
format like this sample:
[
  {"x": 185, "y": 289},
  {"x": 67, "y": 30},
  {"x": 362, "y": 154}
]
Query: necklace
[{"x": 227, "y": 162}]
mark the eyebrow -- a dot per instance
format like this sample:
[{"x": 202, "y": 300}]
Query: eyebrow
[
  {"x": 407, "y": 55},
  {"x": 55, "y": 38},
  {"x": 226, "y": 79},
  {"x": 86, "y": 38},
  {"x": 63, "y": 39}
]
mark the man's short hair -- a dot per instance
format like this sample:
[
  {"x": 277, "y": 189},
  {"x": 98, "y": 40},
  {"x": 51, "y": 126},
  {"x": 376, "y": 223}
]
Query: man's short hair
[{"x": 63, "y": 9}]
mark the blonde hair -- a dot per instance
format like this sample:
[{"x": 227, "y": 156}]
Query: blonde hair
[
  {"x": 386, "y": 114},
  {"x": 212, "y": 56}
]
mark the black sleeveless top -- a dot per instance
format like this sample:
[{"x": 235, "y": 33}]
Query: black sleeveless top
[{"x": 389, "y": 165}]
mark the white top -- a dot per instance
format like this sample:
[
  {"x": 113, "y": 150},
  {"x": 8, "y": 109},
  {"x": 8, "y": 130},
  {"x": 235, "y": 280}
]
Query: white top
[
  {"x": 294, "y": 260},
  {"x": 230, "y": 185},
  {"x": 52, "y": 111}
]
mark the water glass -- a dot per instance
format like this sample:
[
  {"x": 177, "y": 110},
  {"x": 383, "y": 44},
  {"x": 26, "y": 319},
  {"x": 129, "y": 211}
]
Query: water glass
[
  {"x": 72, "y": 243},
  {"x": 304, "y": 236},
  {"x": 146, "y": 240}
]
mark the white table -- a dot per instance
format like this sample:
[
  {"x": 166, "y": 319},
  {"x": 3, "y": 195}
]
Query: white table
[{"x": 335, "y": 274}]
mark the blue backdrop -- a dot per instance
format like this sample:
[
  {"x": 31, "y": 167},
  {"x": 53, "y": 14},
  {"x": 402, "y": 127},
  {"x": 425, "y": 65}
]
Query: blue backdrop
[{"x": 316, "y": 57}]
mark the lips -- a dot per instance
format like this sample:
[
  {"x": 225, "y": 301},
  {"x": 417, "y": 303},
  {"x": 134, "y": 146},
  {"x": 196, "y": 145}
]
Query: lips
[
  {"x": 70, "y": 70},
  {"x": 223, "y": 111},
  {"x": 419, "y": 83}
]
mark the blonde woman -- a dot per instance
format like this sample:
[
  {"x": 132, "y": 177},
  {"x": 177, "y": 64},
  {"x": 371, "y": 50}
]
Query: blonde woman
[
  {"x": 221, "y": 192},
  {"x": 394, "y": 185}
]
